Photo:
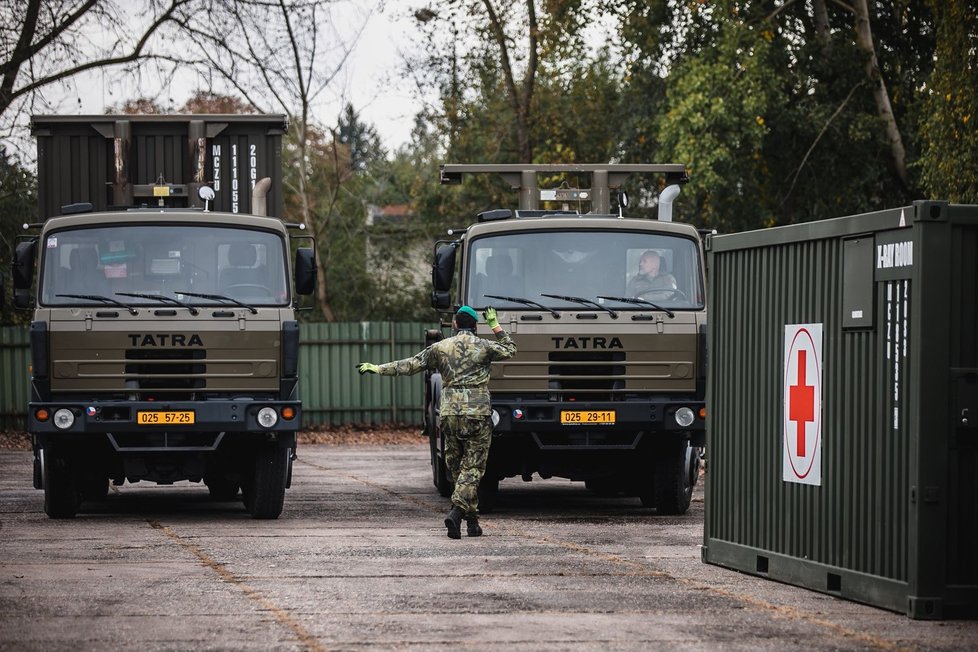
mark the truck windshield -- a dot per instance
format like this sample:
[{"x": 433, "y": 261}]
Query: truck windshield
[
  {"x": 163, "y": 260},
  {"x": 660, "y": 268}
]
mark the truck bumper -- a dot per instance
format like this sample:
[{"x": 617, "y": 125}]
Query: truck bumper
[
  {"x": 630, "y": 422},
  {"x": 115, "y": 417}
]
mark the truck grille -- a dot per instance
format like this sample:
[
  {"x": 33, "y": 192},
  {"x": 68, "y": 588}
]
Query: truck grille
[
  {"x": 586, "y": 375},
  {"x": 168, "y": 369}
]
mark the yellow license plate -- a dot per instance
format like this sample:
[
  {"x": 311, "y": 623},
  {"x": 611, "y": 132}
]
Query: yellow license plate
[
  {"x": 587, "y": 417},
  {"x": 183, "y": 418}
]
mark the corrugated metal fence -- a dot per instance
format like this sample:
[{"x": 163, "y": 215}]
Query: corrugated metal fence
[
  {"x": 332, "y": 392},
  {"x": 15, "y": 358}
]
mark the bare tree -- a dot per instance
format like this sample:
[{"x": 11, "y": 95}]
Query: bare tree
[
  {"x": 48, "y": 42},
  {"x": 281, "y": 56},
  {"x": 520, "y": 92}
]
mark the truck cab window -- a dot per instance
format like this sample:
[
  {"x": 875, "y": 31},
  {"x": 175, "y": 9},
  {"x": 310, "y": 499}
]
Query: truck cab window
[
  {"x": 163, "y": 260},
  {"x": 585, "y": 264}
]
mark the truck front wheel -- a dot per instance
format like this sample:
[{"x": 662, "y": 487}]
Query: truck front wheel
[
  {"x": 264, "y": 494},
  {"x": 671, "y": 489},
  {"x": 443, "y": 482},
  {"x": 61, "y": 495}
]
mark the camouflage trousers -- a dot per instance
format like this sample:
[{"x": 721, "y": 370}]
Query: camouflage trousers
[{"x": 467, "y": 442}]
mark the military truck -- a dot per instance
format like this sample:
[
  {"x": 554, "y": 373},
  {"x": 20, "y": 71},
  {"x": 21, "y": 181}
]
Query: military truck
[
  {"x": 608, "y": 385},
  {"x": 164, "y": 340}
]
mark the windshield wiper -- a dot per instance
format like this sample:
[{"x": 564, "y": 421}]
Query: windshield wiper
[
  {"x": 583, "y": 302},
  {"x": 99, "y": 297},
  {"x": 159, "y": 297},
  {"x": 641, "y": 302},
  {"x": 525, "y": 302},
  {"x": 220, "y": 297}
]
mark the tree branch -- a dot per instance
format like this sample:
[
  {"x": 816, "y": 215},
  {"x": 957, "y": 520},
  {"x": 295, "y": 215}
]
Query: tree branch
[
  {"x": 771, "y": 16},
  {"x": 825, "y": 127},
  {"x": 497, "y": 30},
  {"x": 134, "y": 55}
]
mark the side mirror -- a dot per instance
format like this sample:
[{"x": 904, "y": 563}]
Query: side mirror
[
  {"x": 441, "y": 300},
  {"x": 432, "y": 335},
  {"x": 22, "y": 299},
  {"x": 22, "y": 266},
  {"x": 442, "y": 271},
  {"x": 305, "y": 271}
]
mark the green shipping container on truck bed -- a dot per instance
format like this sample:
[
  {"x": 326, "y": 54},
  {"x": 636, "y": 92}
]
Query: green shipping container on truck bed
[
  {"x": 843, "y": 402},
  {"x": 126, "y": 161}
]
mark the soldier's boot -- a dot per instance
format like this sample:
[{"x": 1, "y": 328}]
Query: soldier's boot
[
  {"x": 472, "y": 527},
  {"x": 454, "y": 523}
]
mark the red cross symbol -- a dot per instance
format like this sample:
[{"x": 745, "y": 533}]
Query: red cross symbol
[{"x": 801, "y": 399}]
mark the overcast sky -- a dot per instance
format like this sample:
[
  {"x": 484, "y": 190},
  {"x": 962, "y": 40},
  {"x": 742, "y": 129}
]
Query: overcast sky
[{"x": 373, "y": 79}]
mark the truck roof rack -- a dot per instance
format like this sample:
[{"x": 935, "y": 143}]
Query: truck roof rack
[{"x": 604, "y": 178}]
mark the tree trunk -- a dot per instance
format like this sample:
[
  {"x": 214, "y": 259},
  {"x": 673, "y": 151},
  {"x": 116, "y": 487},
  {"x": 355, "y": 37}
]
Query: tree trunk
[
  {"x": 864, "y": 41},
  {"x": 520, "y": 96},
  {"x": 823, "y": 30}
]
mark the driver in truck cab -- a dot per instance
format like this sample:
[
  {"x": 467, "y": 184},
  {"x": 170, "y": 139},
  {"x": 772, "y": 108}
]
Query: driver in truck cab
[{"x": 649, "y": 277}]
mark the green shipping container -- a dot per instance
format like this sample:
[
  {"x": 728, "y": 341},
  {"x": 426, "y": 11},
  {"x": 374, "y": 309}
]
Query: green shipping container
[
  {"x": 115, "y": 162},
  {"x": 842, "y": 437}
]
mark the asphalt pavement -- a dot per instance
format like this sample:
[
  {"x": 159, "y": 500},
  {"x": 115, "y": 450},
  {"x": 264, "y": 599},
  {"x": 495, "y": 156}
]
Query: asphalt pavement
[{"x": 359, "y": 560}]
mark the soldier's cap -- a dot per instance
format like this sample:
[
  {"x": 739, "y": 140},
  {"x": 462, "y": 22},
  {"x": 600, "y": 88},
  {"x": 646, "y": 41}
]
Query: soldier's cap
[{"x": 466, "y": 310}]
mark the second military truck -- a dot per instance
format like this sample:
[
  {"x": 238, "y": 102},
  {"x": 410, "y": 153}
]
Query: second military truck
[{"x": 608, "y": 385}]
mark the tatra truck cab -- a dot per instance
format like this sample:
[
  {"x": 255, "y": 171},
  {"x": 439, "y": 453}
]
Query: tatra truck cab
[
  {"x": 164, "y": 345},
  {"x": 608, "y": 384}
]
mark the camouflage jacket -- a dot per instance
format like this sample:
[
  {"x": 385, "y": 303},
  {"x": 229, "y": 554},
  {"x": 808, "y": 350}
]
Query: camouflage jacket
[{"x": 463, "y": 362}]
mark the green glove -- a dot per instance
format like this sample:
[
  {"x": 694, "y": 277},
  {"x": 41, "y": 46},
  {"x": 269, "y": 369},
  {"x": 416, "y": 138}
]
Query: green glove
[
  {"x": 368, "y": 368},
  {"x": 489, "y": 314}
]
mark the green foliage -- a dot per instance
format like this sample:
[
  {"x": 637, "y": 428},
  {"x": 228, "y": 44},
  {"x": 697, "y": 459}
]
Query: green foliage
[
  {"x": 776, "y": 121},
  {"x": 949, "y": 126},
  {"x": 18, "y": 204},
  {"x": 719, "y": 107}
]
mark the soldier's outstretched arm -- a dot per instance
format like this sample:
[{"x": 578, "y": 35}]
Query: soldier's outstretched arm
[{"x": 407, "y": 366}]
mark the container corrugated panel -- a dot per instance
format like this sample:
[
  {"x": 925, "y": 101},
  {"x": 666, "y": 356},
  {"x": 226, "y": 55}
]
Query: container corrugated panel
[
  {"x": 896, "y": 490},
  {"x": 334, "y": 393},
  {"x": 15, "y": 359},
  {"x": 114, "y": 162}
]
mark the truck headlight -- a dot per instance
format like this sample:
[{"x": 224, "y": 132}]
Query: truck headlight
[
  {"x": 684, "y": 417},
  {"x": 267, "y": 417},
  {"x": 495, "y": 418},
  {"x": 64, "y": 418}
]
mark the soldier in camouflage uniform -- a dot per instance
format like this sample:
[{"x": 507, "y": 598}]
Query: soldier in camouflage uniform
[{"x": 463, "y": 362}]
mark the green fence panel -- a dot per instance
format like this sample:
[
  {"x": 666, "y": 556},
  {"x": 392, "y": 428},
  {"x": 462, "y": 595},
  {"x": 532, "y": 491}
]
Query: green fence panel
[
  {"x": 332, "y": 391},
  {"x": 15, "y": 360}
]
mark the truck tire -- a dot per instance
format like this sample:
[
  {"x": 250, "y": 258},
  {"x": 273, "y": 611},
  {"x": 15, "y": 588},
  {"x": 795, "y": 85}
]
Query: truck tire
[
  {"x": 488, "y": 493},
  {"x": 61, "y": 495},
  {"x": 264, "y": 495},
  {"x": 442, "y": 482},
  {"x": 439, "y": 470},
  {"x": 671, "y": 488}
]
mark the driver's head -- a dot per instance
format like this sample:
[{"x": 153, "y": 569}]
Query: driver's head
[{"x": 649, "y": 263}]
